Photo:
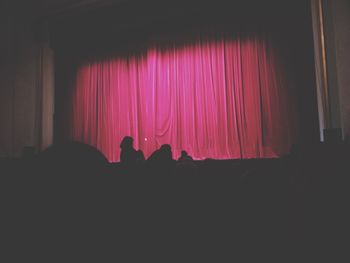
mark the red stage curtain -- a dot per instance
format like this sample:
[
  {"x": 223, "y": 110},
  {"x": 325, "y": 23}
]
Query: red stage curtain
[{"x": 217, "y": 99}]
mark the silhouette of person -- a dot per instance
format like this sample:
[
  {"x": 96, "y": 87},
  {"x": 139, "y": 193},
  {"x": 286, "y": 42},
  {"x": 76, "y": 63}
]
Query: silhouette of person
[
  {"x": 140, "y": 156},
  {"x": 185, "y": 165},
  {"x": 128, "y": 155},
  {"x": 185, "y": 157},
  {"x": 162, "y": 155},
  {"x": 161, "y": 161},
  {"x": 166, "y": 153}
]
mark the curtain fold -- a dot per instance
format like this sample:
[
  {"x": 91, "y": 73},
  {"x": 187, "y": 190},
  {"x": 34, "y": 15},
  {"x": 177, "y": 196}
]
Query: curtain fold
[{"x": 221, "y": 99}]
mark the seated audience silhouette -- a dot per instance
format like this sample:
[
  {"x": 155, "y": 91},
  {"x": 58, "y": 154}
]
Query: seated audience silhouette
[
  {"x": 128, "y": 155},
  {"x": 161, "y": 161},
  {"x": 162, "y": 155},
  {"x": 185, "y": 157},
  {"x": 73, "y": 157},
  {"x": 140, "y": 158},
  {"x": 185, "y": 165}
]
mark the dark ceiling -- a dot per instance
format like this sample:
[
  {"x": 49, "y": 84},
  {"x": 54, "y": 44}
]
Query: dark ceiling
[{"x": 86, "y": 26}]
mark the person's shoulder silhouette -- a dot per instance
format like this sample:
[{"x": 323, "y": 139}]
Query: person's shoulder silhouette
[
  {"x": 164, "y": 153},
  {"x": 140, "y": 157}
]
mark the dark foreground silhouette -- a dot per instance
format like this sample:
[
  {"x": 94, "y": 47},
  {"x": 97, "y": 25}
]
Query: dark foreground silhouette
[{"x": 69, "y": 204}]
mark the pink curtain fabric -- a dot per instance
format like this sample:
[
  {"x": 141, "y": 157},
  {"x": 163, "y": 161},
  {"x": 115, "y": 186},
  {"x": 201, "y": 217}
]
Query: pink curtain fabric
[{"x": 220, "y": 99}]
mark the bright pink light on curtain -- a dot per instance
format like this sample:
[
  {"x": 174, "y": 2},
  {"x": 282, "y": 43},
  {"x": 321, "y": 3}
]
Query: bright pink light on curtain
[{"x": 214, "y": 99}]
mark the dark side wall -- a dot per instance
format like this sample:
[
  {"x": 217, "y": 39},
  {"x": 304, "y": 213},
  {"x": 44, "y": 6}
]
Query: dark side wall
[
  {"x": 19, "y": 53},
  {"x": 338, "y": 25}
]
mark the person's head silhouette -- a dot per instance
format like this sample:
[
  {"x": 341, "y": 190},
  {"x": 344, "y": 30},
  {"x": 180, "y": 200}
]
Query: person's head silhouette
[
  {"x": 127, "y": 143},
  {"x": 128, "y": 154},
  {"x": 165, "y": 152},
  {"x": 184, "y": 154}
]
